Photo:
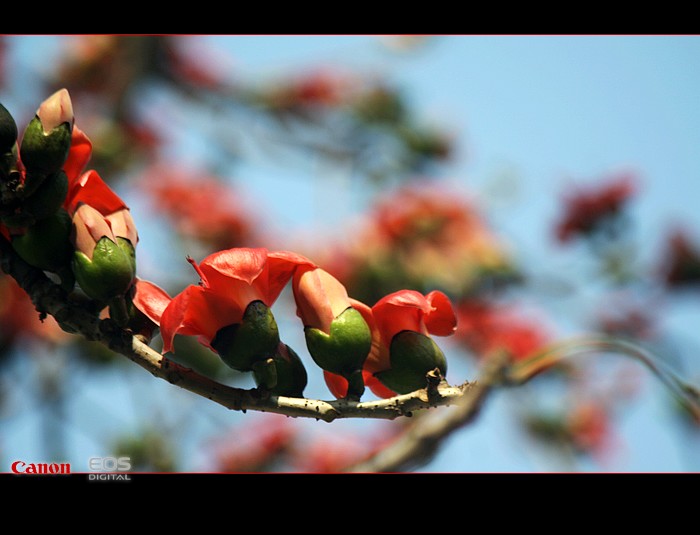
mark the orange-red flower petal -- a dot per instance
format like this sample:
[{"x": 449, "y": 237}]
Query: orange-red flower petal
[
  {"x": 78, "y": 155},
  {"x": 150, "y": 299},
  {"x": 91, "y": 189},
  {"x": 198, "y": 311}
]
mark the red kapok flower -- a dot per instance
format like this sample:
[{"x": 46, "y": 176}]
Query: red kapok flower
[
  {"x": 403, "y": 351},
  {"x": 337, "y": 336},
  {"x": 230, "y": 281}
]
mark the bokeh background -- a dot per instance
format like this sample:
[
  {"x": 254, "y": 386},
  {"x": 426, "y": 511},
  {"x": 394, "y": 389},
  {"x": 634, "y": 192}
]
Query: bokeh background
[{"x": 548, "y": 184}]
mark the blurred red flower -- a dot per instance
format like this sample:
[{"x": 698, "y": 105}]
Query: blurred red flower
[
  {"x": 20, "y": 319},
  {"x": 586, "y": 210},
  {"x": 253, "y": 447},
  {"x": 328, "y": 455},
  {"x": 420, "y": 236},
  {"x": 590, "y": 429},
  {"x": 485, "y": 327},
  {"x": 681, "y": 265},
  {"x": 201, "y": 207}
]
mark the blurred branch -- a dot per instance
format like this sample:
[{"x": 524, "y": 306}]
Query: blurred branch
[
  {"x": 687, "y": 395},
  {"x": 350, "y": 120},
  {"x": 49, "y": 298},
  {"x": 421, "y": 441}
]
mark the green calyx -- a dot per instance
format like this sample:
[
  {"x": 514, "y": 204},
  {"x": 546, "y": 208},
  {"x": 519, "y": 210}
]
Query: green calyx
[
  {"x": 412, "y": 356},
  {"x": 8, "y": 130},
  {"x": 282, "y": 374},
  {"x": 255, "y": 339},
  {"x": 109, "y": 274},
  {"x": 129, "y": 251},
  {"x": 345, "y": 348},
  {"x": 41, "y": 153},
  {"x": 46, "y": 245}
]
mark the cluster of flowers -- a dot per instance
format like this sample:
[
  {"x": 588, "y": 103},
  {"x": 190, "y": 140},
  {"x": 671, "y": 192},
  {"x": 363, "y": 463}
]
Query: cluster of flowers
[
  {"x": 63, "y": 219},
  {"x": 59, "y": 217},
  {"x": 387, "y": 347}
]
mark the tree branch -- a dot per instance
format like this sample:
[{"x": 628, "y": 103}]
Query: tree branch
[{"x": 75, "y": 318}]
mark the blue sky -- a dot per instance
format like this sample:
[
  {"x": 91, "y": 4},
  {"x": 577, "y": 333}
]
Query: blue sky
[{"x": 531, "y": 114}]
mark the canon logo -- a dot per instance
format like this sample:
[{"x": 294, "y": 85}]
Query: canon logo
[{"x": 20, "y": 467}]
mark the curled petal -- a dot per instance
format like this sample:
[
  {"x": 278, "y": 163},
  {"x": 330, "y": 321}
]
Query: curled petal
[
  {"x": 338, "y": 385},
  {"x": 150, "y": 299},
  {"x": 266, "y": 272},
  {"x": 441, "y": 320},
  {"x": 282, "y": 265},
  {"x": 78, "y": 155},
  {"x": 91, "y": 189},
  {"x": 89, "y": 226},
  {"x": 197, "y": 311},
  {"x": 123, "y": 225},
  {"x": 239, "y": 263},
  {"x": 378, "y": 358},
  {"x": 377, "y": 388},
  {"x": 320, "y": 298},
  {"x": 56, "y": 110},
  {"x": 365, "y": 311},
  {"x": 401, "y": 311}
]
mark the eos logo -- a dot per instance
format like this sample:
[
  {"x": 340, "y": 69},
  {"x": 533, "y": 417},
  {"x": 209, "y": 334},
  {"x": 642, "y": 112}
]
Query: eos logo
[
  {"x": 108, "y": 468},
  {"x": 109, "y": 464}
]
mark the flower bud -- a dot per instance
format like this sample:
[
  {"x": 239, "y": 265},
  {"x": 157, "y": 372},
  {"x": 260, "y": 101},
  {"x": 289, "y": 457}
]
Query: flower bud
[
  {"x": 47, "y": 138},
  {"x": 8, "y": 130},
  {"x": 282, "y": 374},
  {"x": 124, "y": 228},
  {"x": 337, "y": 335},
  {"x": 255, "y": 339},
  {"x": 412, "y": 356},
  {"x": 103, "y": 266},
  {"x": 46, "y": 244}
]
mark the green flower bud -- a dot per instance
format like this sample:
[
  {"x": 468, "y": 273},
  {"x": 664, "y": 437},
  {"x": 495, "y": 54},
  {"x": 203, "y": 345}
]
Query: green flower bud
[
  {"x": 8, "y": 130},
  {"x": 255, "y": 339},
  {"x": 108, "y": 274},
  {"x": 282, "y": 374},
  {"x": 42, "y": 153},
  {"x": 47, "y": 138},
  {"x": 345, "y": 349},
  {"x": 46, "y": 244},
  {"x": 412, "y": 356}
]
